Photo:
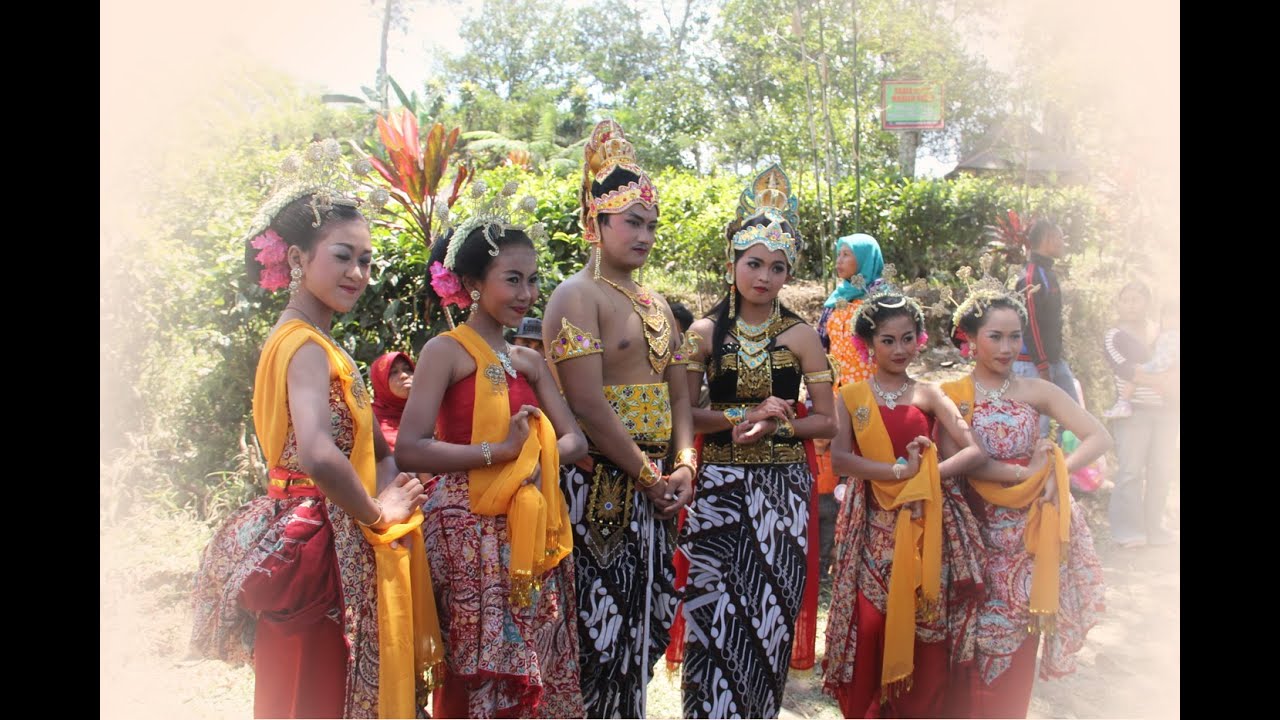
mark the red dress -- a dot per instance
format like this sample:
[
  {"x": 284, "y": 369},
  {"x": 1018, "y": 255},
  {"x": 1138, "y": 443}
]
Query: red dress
[
  {"x": 863, "y": 566},
  {"x": 501, "y": 661},
  {"x": 287, "y": 583}
]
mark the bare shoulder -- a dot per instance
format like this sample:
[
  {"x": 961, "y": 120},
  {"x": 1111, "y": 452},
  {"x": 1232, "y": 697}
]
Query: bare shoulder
[
  {"x": 574, "y": 288},
  {"x": 704, "y": 328},
  {"x": 802, "y": 339},
  {"x": 528, "y": 362},
  {"x": 572, "y": 298},
  {"x": 1039, "y": 393},
  {"x": 440, "y": 351},
  {"x": 309, "y": 355},
  {"x": 930, "y": 392}
]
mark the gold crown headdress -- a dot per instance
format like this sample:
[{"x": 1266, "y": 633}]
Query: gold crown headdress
[
  {"x": 494, "y": 215},
  {"x": 980, "y": 293},
  {"x": 886, "y": 294},
  {"x": 319, "y": 172},
  {"x": 607, "y": 150},
  {"x": 769, "y": 196}
]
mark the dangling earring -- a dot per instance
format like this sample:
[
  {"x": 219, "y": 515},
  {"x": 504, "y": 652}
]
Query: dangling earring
[
  {"x": 733, "y": 293},
  {"x": 597, "y": 270},
  {"x": 295, "y": 279},
  {"x": 475, "y": 301}
]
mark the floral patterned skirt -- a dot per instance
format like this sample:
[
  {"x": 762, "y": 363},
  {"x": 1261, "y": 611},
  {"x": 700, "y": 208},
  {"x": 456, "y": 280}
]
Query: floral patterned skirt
[{"x": 502, "y": 661}]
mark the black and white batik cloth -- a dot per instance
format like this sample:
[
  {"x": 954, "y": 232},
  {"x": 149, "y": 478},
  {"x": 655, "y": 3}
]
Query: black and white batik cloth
[
  {"x": 625, "y": 585},
  {"x": 747, "y": 546}
]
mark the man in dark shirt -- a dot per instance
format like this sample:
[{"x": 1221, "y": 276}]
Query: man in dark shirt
[{"x": 1042, "y": 355}]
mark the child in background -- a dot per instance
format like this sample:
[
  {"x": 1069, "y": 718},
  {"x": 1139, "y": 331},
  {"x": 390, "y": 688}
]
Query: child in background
[{"x": 1165, "y": 357}]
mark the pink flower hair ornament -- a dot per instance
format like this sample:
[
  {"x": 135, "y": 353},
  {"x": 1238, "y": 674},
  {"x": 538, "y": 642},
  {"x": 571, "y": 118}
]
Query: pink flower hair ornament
[
  {"x": 860, "y": 347},
  {"x": 447, "y": 285},
  {"x": 273, "y": 256}
]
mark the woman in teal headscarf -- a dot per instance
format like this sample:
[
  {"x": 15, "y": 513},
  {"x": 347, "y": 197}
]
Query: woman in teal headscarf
[{"x": 859, "y": 263}]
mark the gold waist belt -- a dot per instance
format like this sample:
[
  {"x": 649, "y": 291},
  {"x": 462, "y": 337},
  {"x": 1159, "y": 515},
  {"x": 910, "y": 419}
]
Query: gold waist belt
[{"x": 645, "y": 411}]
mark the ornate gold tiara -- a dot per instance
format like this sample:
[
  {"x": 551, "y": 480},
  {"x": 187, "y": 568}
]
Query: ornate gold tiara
[
  {"x": 494, "y": 215},
  {"x": 886, "y": 294},
  {"x": 980, "y": 293},
  {"x": 769, "y": 196},
  {"x": 320, "y": 172}
]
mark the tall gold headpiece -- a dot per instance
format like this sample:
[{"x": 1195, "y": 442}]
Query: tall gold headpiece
[
  {"x": 607, "y": 150},
  {"x": 769, "y": 196}
]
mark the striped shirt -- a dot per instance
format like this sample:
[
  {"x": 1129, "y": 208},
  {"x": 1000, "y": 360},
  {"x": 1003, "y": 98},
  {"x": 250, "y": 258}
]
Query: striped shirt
[{"x": 1125, "y": 353}]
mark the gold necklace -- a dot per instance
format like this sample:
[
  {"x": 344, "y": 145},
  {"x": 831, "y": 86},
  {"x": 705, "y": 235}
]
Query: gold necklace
[
  {"x": 753, "y": 340},
  {"x": 657, "y": 333},
  {"x": 358, "y": 390}
]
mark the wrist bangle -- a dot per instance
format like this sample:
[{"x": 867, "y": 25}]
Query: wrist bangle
[
  {"x": 898, "y": 469},
  {"x": 735, "y": 415},
  {"x": 648, "y": 475},
  {"x": 784, "y": 429},
  {"x": 1020, "y": 472},
  {"x": 377, "y": 503},
  {"x": 488, "y": 453},
  {"x": 687, "y": 457}
]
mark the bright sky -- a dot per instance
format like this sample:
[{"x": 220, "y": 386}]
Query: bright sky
[{"x": 157, "y": 54}]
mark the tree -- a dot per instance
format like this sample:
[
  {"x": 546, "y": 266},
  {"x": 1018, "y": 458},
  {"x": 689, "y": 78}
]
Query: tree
[{"x": 514, "y": 48}]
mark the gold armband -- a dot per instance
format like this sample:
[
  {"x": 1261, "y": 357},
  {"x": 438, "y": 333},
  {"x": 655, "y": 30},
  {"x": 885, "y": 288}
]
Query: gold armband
[
  {"x": 684, "y": 355},
  {"x": 822, "y": 376},
  {"x": 572, "y": 342}
]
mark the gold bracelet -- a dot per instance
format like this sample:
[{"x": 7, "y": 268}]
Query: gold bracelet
[
  {"x": 648, "y": 475},
  {"x": 377, "y": 502},
  {"x": 688, "y": 457},
  {"x": 488, "y": 453},
  {"x": 784, "y": 430}
]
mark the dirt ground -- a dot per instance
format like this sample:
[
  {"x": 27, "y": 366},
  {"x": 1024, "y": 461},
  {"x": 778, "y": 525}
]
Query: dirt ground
[{"x": 1130, "y": 666}]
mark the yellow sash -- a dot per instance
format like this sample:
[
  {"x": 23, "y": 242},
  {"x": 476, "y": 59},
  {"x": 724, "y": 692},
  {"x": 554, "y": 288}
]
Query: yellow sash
[
  {"x": 1048, "y": 529},
  {"x": 917, "y": 544},
  {"x": 537, "y": 522},
  {"x": 409, "y": 642}
]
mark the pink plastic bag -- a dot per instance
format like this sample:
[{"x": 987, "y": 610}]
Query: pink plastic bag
[{"x": 1088, "y": 479}]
